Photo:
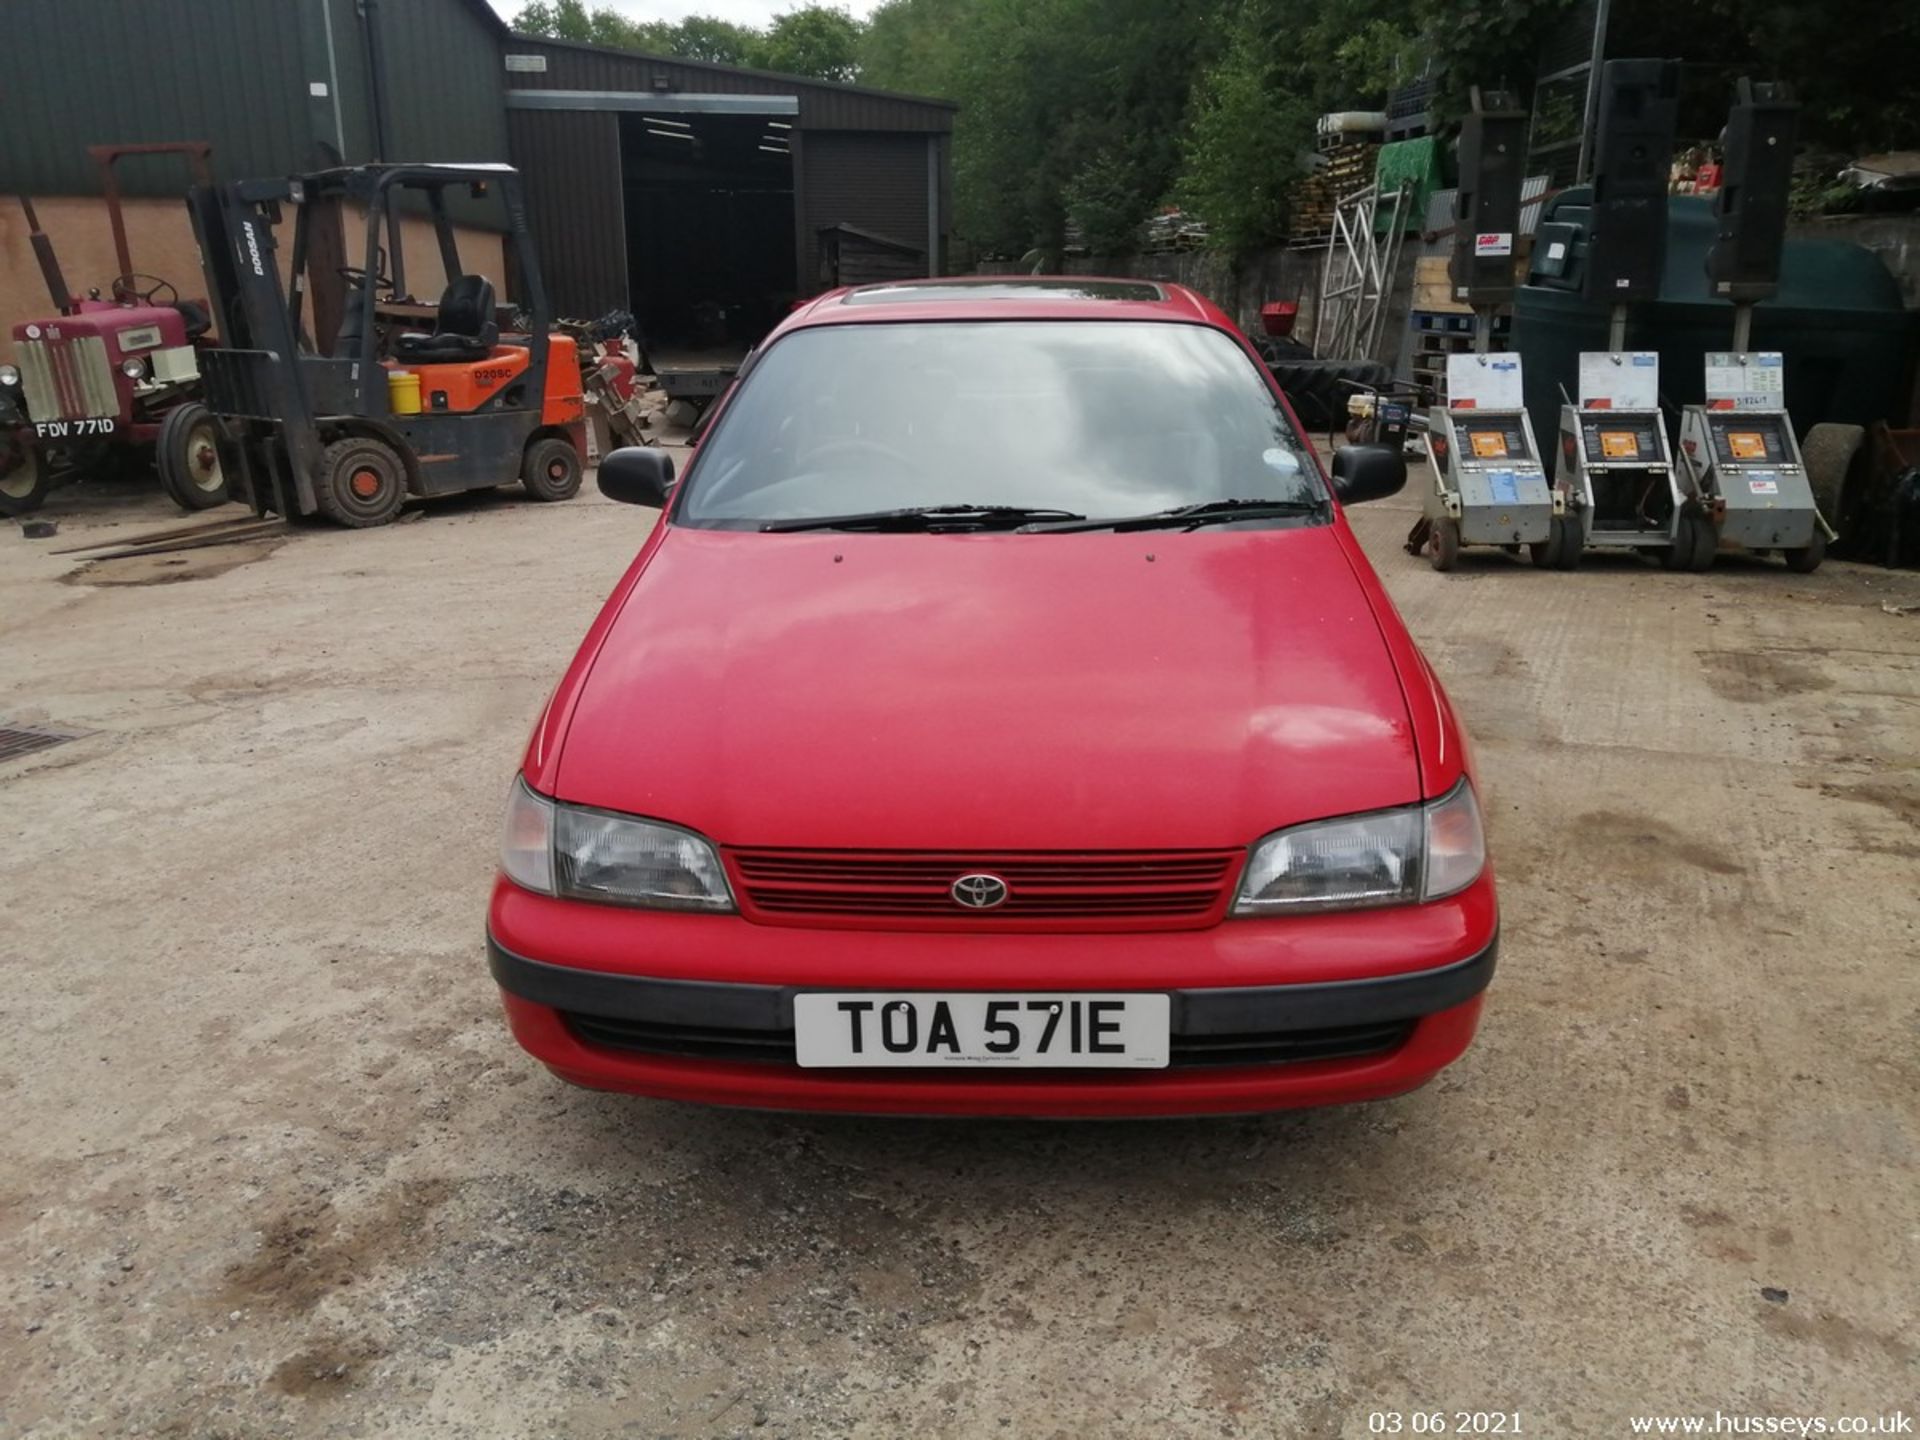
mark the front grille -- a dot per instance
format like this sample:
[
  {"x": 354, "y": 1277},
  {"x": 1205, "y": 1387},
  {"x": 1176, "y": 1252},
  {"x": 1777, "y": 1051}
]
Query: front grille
[
  {"x": 775, "y": 1047},
  {"x": 67, "y": 379},
  {"x": 1041, "y": 886}
]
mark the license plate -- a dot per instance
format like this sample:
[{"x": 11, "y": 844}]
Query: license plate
[
  {"x": 1070, "y": 1030},
  {"x": 73, "y": 429}
]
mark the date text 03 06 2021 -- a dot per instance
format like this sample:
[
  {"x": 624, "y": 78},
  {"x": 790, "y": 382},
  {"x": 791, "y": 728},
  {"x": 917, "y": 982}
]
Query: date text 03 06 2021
[{"x": 1444, "y": 1422}]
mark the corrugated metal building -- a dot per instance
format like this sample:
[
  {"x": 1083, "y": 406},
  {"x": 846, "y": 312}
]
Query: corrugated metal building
[
  {"x": 643, "y": 174},
  {"x": 274, "y": 85},
  {"x": 581, "y": 117}
]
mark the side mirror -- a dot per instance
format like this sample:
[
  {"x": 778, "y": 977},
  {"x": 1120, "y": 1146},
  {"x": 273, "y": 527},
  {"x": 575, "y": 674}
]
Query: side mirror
[
  {"x": 1368, "y": 472},
  {"x": 637, "y": 475}
]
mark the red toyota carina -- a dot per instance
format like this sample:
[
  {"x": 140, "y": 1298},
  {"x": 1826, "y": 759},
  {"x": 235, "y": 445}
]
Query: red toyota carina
[{"x": 1001, "y": 720}]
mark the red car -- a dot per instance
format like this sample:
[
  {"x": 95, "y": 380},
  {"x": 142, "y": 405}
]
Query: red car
[{"x": 1001, "y": 720}]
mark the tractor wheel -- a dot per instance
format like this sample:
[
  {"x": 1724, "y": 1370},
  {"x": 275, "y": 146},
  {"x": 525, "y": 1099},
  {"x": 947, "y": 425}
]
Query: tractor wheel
[
  {"x": 1806, "y": 559},
  {"x": 362, "y": 482},
  {"x": 550, "y": 470},
  {"x": 24, "y": 481},
  {"x": 1443, "y": 544},
  {"x": 187, "y": 455}
]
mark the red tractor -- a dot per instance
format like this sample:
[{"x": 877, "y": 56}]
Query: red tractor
[{"x": 111, "y": 383}]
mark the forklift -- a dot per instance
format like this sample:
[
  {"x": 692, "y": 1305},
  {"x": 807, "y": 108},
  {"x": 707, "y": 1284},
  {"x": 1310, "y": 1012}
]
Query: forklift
[
  {"x": 1489, "y": 485},
  {"x": 348, "y": 424},
  {"x": 1740, "y": 463}
]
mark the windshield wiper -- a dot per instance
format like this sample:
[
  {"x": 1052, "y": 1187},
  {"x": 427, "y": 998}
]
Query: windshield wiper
[
  {"x": 923, "y": 517},
  {"x": 1192, "y": 517}
]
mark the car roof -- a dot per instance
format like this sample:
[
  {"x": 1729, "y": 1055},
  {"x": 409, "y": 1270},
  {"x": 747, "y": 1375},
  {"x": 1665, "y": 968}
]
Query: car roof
[{"x": 1008, "y": 297}]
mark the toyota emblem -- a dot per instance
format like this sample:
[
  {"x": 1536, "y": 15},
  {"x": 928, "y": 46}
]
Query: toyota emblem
[{"x": 979, "y": 892}]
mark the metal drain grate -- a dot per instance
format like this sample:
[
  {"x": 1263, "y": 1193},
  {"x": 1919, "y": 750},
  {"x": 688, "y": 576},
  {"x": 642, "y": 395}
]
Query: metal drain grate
[{"x": 18, "y": 740}]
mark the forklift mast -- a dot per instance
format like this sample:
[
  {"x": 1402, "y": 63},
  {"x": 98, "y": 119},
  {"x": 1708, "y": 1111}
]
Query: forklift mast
[{"x": 259, "y": 373}]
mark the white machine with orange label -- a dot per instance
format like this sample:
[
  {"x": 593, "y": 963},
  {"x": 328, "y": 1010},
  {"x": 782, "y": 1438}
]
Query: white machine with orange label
[
  {"x": 1740, "y": 466},
  {"x": 1615, "y": 472},
  {"x": 1489, "y": 487}
]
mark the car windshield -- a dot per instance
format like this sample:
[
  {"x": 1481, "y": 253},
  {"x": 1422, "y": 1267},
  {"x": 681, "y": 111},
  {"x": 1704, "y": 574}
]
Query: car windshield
[{"x": 1074, "y": 418}]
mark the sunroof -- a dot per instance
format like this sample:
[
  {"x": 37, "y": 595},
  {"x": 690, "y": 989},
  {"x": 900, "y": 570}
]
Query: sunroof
[{"x": 1049, "y": 288}]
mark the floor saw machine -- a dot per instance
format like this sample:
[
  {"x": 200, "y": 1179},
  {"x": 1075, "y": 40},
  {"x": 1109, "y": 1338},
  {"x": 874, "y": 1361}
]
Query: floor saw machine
[
  {"x": 1489, "y": 487},
  {"x": 1740, "y": 465},
  {"x": 1615, "y": 474}
]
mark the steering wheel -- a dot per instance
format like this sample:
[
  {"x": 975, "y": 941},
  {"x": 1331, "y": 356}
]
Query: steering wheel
[
  {"x": 854, "y": 445},
  {"x": 357, "y": 276},
  {"x": 123, "y": 289}
]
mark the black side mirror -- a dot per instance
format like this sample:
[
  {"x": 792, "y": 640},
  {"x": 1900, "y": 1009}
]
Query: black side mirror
[
  {"x": 637, "y": 475},
  {"x": 1368, "y": 472}
]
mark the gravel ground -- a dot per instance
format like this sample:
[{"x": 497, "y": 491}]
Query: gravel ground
[{"x": 275, "y": 1167}]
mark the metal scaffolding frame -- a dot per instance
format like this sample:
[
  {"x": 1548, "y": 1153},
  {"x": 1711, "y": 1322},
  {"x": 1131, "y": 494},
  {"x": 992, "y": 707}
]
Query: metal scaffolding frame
[{"x": 1356, "y": 280}]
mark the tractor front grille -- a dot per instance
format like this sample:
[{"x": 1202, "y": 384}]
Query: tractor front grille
[{"x": 69, "y": 379}]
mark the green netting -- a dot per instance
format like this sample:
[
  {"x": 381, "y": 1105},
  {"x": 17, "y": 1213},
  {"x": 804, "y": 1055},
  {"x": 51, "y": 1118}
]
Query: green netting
[{"x": 1416, "y": 162}]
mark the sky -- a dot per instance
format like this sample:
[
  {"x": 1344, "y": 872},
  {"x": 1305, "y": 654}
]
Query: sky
[{"x": 742, "y": 12}]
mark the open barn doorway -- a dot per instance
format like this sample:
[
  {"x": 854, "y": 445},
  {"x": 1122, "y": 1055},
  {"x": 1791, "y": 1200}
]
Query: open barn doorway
[{"x": 710, "y": 228}]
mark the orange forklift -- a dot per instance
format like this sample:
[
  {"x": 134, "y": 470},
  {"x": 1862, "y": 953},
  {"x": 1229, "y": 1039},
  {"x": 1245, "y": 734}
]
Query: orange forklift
[{"x": 349, "y": 424}]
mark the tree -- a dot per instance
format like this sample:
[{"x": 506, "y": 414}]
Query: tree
[
  {"x": 571, "y": 20},
  {"x": 698, "y": 37},
  {"x": 1070, "y": 110},
  {"x": 1243, "y": 145},
  {"x": 708, "y": 37},
  {"x": 816, "y": 41},
  {"x": 911, "y": 45}
]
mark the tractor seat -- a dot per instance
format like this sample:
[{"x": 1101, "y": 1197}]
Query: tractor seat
[{"x": 463, "y": 330}]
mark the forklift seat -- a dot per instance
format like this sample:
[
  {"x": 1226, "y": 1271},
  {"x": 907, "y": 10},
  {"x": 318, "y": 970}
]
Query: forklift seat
[{"x": 465, "y": 328}]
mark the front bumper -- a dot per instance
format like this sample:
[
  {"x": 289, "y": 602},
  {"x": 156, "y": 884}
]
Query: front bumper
[{"x": 1341, "y": 1031}]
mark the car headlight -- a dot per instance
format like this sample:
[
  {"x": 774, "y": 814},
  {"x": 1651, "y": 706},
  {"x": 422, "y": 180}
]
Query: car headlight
[
  {"x": 558, "y": 849},
  {"x": 134, "y": 368},
  {"x": 1389, "y": 857},
  {"x": 9, "y": 375}
]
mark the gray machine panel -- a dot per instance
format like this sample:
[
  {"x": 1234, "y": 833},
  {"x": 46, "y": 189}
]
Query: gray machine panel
[
  {"x": 1492, "y": 464},
  {"x": 1616, "y": 464},
  {"x": 1622, "y": 439},
  {"x": 1747, "y": 466}
]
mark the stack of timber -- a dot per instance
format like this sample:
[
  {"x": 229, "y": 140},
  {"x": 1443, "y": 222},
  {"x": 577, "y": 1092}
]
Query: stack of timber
[{"x": 1348, "y": 168}]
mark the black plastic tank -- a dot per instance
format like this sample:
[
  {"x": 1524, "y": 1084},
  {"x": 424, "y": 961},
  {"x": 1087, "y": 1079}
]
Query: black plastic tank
[{"x": 1838, "y": 318}]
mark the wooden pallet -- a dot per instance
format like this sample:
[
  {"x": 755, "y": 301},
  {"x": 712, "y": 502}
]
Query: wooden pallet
[{"x": 1438, "y": 334}]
